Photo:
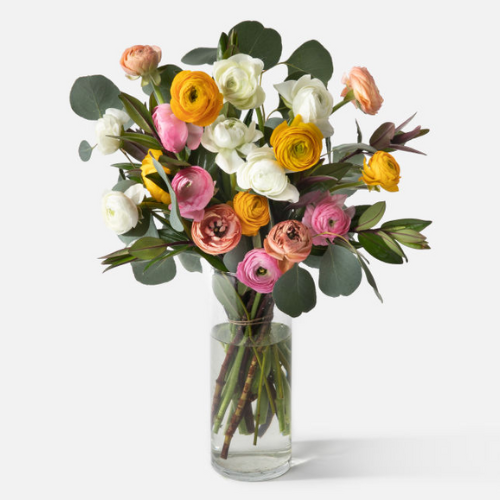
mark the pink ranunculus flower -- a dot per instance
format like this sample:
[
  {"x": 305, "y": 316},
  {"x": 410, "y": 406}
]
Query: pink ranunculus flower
[
  {"x": 259, "y": 271},
  {"x": 140, "y": 60},
  {"x": 219, "y": 231},
  {"x": 289, "y": 241},
  {"x": 327, "y": 218},
  {"x": 174, "y": 133},
  {"x": 194, "y": 188},
  {"x": 366, "y": 94}
]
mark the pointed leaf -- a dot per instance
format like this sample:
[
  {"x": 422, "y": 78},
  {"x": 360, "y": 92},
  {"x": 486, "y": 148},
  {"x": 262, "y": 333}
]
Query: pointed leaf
[
  {"x": 415, "y": 224},
  {"x": 147, "y": 248},
  {"x": 138, "y": 112},
  {"x": 375, "y": 245},
  {"x": 371, "y": 216}
]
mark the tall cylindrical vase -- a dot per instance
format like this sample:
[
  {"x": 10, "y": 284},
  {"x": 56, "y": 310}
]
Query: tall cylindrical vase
[{"x": 250, "y": 382}]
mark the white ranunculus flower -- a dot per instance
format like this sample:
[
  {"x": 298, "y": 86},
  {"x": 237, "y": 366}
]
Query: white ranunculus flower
[
  {"x": 238, "y": 81},
  {"x": 231, "y": 139},
  {"x": 120, "y": 209},
  {"x": 262, "y": 173},
  {"x": 309, "y": 98},
  {"x": 110, "y": 124}
]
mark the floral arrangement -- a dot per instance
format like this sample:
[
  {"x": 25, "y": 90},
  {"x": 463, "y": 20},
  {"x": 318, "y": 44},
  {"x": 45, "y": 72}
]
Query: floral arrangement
[{"x": 207, "y": 174}]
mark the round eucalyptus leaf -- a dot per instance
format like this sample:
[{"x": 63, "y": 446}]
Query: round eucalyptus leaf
[{"x": 85, "y": 151}]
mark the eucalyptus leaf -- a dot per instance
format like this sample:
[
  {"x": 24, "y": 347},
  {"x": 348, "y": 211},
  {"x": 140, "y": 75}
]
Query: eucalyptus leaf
[
  {"x": 175, "y": 215},
  {"x": 225, "y": 291},
  {"x": 311, "y": 58},
  {"x": 162, "y": 271},
  {"x": 339, "y": 272},
  {"x": 190, "y": 262},
  {"x": 295, "y": 292},
  {"x": 259, "y": 42},
  {"x": 371, "y": 216},
  {"x": 199, "y": 56},
  {"x": 85, "y": 151},
  {"x": 91, "y": 96}
]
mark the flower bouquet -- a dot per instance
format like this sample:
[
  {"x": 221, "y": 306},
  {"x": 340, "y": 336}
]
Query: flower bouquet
[{"x": 209, "y": 176}]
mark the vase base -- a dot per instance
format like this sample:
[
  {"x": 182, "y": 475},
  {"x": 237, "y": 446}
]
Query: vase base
[{"x": 239, "y": 471}]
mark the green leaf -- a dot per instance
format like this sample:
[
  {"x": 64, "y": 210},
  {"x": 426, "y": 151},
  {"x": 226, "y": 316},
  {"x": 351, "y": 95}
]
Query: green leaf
[
  {"x": 295, "y": 292},
  {"x": 126, "y": 166},
  {"x": 337, "y": 170},
  {"x": 259, "y": 42},
  {"x": 190, "y": 262},
  {"x": 371, "y": 216},
  {"x": 407, "y": 236},
  {"x": 415, "y": 224},
  {"x": 147, "y": 248},
  {"x": 85, "y": 151},
  {"x": 138, "y": 112},
  {"x": 91, "y": 96},
  {"x": 339, "y": 272},
  {"x": 141, "y": 139},
  {"x": 375, "y": 245},
  {"x": 234, "y": 257},
  {"x": 145, "y": 227},
  {"x": 167, "y": 75},
  {"x": 175, "y": 215},
  {"x": 170, "y": 235},
  {"x": 227, "y": 295},
  {"x": 199, "y": 56},
  {"x": 370, "y": 279},
  {"x": 312, "y": 58},
  {"x": 160, "y": 272},
  {"x": 214, "y": 261}
]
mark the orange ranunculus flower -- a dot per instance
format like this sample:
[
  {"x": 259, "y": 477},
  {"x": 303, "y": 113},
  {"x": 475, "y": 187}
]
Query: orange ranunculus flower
[
  {"x": 142, "y": 60},
  {"x": 381, "y": 170},
  {"x": 195, "y": 98},
  {"x": 252, "y": 210},
  {"x": 218, "y": 232},
  {"x": 366, "y": 94},
  {"x": 297, "y": 147},
  {"x": 147, "y": 168}
]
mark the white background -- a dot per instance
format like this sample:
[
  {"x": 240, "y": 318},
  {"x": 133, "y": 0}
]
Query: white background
[{"x": 104, "y": 382}]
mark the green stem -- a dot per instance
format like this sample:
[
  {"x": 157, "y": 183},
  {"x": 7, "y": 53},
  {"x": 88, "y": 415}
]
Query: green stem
[
  {"x": 277, "y": 375},
  {"x": 259, "y": 397},
  {"x": 260, "y": 118},
  {"x": 347, "y": 99},
  {"x": 158, "y": 94}
]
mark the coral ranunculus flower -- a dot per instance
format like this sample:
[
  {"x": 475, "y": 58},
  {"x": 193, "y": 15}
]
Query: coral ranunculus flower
[
  {"x": 218, "y": 232},
  {"x": 382, "y": 170},
  {"x": 142, "y": 60},
  {"x": 252, "y": 210},
  {"x": 147, "y": 168},
  {"x": 366, "y": 94},
  {"x": 297, "y": 147},
  {"x": 195, "y": 98},
  {"x": 289, "y": 241}
]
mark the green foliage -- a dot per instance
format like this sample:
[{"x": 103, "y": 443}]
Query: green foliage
[
  {"x": 91, "y": 96},
  {"x": 381, "y": 248},
  {"x": 138, "y": 112},
  {"x": 295, "y": 292},
  {"x": 339, "y": 272},
  {"x": 225, "y": 291},
  {"x": 202, "y": 55},
  {"x": 147, "y": 248},
  {"x": 85, "y": 151},
  {"x": 259, "y": 42},
  {"x": 311, "y": 58},
  {"x": 160, "y": 272},
  {"x": 191, "y": 262},
  {"x": 235, "y": 256},
  {"x": 167, "y": 75},
  {"x": 145, "y": 227},
  {"x": 371, "y": 216}
]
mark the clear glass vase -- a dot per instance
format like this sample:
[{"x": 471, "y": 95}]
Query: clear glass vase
[{"x": 250, "y": 382}]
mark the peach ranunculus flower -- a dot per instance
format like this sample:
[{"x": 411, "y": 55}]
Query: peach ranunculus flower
[
  {"x": 381, "y": 170},
  {"x": 297, "y": 146},
  {"x": 147, "y": 168},
  {"x": 142, "y": 61},
  {"x": 218, "y": 232},
  {"x": 195, "y": 98},
  {"x": 366, "y": 94},
  {"x": 288, "y": 241},
  {"x": 252, "y": 210}
]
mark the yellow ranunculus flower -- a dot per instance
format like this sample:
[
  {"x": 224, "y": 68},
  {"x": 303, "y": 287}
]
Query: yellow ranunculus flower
[
  {"x": 252, "y": 210},
  {"x": 297, "y": 147},
  {"x": 147, "y": 168},
  {"x": 382, "y": 170},
  {"x": 195, "y": 98}
]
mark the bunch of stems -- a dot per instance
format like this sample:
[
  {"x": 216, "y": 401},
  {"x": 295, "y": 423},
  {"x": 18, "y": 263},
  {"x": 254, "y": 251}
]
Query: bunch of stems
[{"x": 254, "y": 370}]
